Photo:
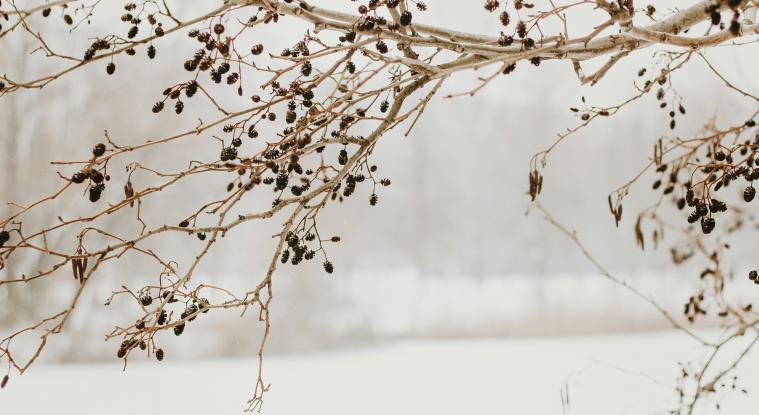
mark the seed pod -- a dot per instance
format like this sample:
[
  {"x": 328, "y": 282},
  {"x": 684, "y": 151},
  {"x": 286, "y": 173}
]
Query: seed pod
[
  {"x": 521, "y": 29},
  {"x": 690, "y": 197},
  {"x": 228, "y": 153},
  {"x": 749, "y": 193},
  {"x": 707, "y": 225},
  {"x": 328, "y": 267},
  {"x": 306, "y": 68},
  {"x": 701, "y": 209},
  {"x": 406, "y": 18},
  {"x": 80, "y": 177},
  {"x": 718, "y": 206},
  {"x": 159, "y": 354},
  {"x": 162, "y": 318},
  {"x": 203, "y": 305},
  {"x": 715, "y": 17},
  {"x": 4, "y": 237},
  {"x": 753, "y": 274},
  {"x": 96, "y": 176},
  {"x": 192, "y": 88},
  {"x": 6, "y": 377},
  {"x": 191, "y": 310},
  {"x": 98, "y": 150},
  {"x": 95, "y": 192}
]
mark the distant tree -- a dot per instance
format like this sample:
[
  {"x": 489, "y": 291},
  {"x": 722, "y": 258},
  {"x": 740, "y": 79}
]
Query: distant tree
[{"x": 303, "y": 139}]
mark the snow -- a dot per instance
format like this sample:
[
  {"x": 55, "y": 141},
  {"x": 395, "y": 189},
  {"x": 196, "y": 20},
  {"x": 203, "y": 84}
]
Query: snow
[{"x": 620, "y": 374}]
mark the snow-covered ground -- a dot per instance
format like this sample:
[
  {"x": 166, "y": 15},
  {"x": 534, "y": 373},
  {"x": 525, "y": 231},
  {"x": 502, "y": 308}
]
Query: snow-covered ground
[{"x": 610, "y": 374}]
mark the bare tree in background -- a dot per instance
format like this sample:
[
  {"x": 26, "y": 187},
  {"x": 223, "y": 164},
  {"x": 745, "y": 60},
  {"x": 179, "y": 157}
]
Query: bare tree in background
[
  {"x": 18, "y": 112},
  {"x": 300, "y": 136}
]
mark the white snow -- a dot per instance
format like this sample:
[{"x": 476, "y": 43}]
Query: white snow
[{"x": 610, "y": 374}]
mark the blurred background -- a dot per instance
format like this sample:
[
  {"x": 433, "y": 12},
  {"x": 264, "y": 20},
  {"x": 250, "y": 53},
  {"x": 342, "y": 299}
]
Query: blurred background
[{"x": 450, "y": 252}]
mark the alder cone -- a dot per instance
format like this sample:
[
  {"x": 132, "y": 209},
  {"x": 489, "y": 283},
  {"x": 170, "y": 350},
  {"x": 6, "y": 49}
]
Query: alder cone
[
  {"x": 749, "y": 193},
  {"x": 707, "y": 225}
]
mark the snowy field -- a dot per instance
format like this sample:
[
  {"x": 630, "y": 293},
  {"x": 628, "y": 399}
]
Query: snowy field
[{"x": 610, "y": 374}]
